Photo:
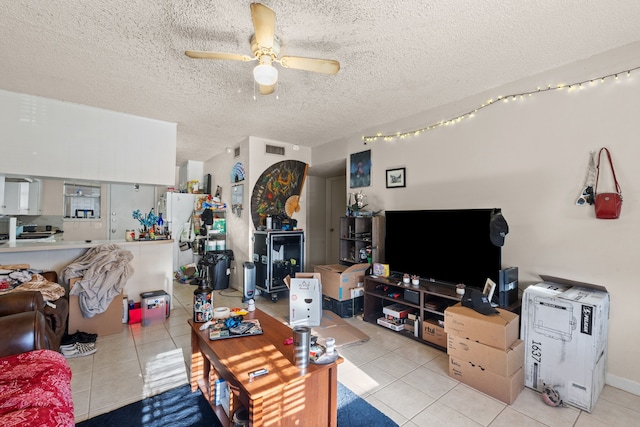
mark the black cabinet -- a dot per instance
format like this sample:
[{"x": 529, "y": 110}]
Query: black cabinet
[{"x": 276, "y": 255}]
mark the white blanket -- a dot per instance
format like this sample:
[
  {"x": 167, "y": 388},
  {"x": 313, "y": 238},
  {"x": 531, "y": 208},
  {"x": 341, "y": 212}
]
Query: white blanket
[{"x": 104, "y": 270}]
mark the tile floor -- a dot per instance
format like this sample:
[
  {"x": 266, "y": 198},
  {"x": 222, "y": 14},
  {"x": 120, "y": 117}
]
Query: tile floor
[{"x": 404, "y": 379}]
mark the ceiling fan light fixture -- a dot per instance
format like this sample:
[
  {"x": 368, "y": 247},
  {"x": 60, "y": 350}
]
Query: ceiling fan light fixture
[{"x": 264, "y": 73}]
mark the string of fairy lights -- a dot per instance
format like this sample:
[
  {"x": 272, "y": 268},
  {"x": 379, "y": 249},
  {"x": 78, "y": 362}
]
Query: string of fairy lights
[{"x": 490, "y": 102}]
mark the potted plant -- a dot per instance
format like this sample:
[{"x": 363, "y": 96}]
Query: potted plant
[
  {"x": 406, "y": 278},
  {"x": 460, "y": 288},
  {"x": 415, "y": 280}
]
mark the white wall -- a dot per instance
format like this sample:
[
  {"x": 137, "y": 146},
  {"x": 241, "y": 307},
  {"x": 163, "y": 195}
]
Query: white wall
[
  {"x": 220, "y": 168},
  {"x": 255, "y": 161},
  {"x": 529, "y": 157}
]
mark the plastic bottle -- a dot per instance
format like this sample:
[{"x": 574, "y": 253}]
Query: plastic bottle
[
  {"x": 203, "y": 303},
  {"x": 160, "y": 224}
]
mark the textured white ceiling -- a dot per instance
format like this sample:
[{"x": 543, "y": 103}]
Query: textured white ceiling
[{"x": 397, "y": 58}]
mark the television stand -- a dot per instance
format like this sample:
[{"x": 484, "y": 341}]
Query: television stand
[{"x": 427, "y": 300}]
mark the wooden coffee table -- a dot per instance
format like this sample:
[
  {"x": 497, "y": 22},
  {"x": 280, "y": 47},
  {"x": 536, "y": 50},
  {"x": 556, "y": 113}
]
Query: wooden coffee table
[{"x": 286, "y": 396}]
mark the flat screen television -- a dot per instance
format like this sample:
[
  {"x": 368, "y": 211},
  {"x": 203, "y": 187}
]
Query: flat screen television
[{"x": 451, "y": 246}]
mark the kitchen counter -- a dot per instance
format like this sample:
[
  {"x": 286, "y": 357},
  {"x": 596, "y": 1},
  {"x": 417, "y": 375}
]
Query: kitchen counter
[
  {"x": 30, "y": 245},
  {"x": 152, "y": 261}
]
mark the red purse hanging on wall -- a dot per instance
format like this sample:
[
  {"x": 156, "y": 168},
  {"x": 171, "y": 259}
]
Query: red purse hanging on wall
[{"x": 607, "y": 205}]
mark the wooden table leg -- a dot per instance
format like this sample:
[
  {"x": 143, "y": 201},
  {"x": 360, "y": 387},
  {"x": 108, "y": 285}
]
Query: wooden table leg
[
  {"x": 197, "y": 363},
  {"x": 333, "y": 396}
]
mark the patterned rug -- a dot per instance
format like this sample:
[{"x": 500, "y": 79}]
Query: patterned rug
[{"x": 180, "y": 407}]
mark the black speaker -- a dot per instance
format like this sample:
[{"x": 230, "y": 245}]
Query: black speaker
[{"x": 508, "y": 287}]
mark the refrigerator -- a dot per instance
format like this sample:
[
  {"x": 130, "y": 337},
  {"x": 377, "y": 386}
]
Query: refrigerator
[{"x": 176, "y": 211}]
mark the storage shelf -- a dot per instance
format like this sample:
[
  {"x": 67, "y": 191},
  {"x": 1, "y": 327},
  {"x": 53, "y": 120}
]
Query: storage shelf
[
  {"x": 359, "y": 233},
  {"x": 441, "y": 295}
]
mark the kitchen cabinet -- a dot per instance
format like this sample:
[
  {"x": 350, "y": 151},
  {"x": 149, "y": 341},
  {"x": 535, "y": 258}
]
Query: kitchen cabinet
[
  {"x": 2, "y": 204},
  {"x": 21, "y": 197},
  {"x": 361, "y": 237},
  {"x": 35, "y": 197},
  {"x": 52, "y": 200},
  {"x": 73, "y": 141}
]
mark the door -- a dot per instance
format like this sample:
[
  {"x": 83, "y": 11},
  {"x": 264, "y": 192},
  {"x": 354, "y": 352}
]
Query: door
[
  {"x": 337, "y": 198},
  {"x": 123, "y": 200}
]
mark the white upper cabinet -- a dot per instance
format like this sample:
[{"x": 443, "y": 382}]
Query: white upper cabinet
[
  {"x": 56, "y": 139},
  {"x": 21, "y": 197},
  {"x": 2, "y": 205}
]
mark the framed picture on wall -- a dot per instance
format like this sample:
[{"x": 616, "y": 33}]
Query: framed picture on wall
[
  {"x": 396, "y": 178},
  {"x": 360, "y": 169}
]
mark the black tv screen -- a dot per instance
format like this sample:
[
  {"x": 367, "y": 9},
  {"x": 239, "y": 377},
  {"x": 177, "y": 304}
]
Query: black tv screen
[{"x": 452, "y": 246}]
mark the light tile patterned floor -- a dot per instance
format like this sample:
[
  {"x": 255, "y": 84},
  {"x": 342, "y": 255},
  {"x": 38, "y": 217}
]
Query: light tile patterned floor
[{"x": 406, "y": 380}]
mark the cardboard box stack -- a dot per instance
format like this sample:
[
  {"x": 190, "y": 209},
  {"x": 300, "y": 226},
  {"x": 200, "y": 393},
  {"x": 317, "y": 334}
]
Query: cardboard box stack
[
  {"x": 342, "y": 287},
  {"x": 565, "y": 328},
  {"x": 485, "y": 352}
]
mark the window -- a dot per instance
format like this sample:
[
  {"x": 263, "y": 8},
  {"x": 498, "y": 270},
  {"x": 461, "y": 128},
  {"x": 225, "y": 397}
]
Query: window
[{"x": 81, "y": 200}]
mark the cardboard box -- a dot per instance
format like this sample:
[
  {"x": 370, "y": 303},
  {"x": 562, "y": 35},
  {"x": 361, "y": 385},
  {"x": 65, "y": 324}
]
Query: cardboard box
[
  {"x": 434, "y": 333},
  {"x": 565, "y": 329},
  {"x": 338, "y": 280},
  {"x": 108, "y": 322},
  {"x": 381, "y": 270},
  {"x": 505, "y": 389},
  {"x": 496, "y": 330},
  {"x": 305, "y": 299},
  {"x": 357, "y": 292},
  {"x": 502, "y": 362}
]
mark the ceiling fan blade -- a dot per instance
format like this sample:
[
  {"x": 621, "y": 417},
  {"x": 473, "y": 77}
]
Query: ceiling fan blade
[
  {"x": 267, "y": 90},
  {"x": 264, "y": 23},
  {"x": 325, "y": 66},
  {"x": 200, "y": 54}
]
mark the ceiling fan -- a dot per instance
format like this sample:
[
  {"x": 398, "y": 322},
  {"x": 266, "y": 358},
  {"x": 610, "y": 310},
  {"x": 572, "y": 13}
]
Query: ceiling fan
[{"x": 265, "y": 46}]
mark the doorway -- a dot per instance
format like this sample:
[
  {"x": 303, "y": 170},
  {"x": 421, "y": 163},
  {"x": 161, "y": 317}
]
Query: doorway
[{"x": 337, "y": 199}]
